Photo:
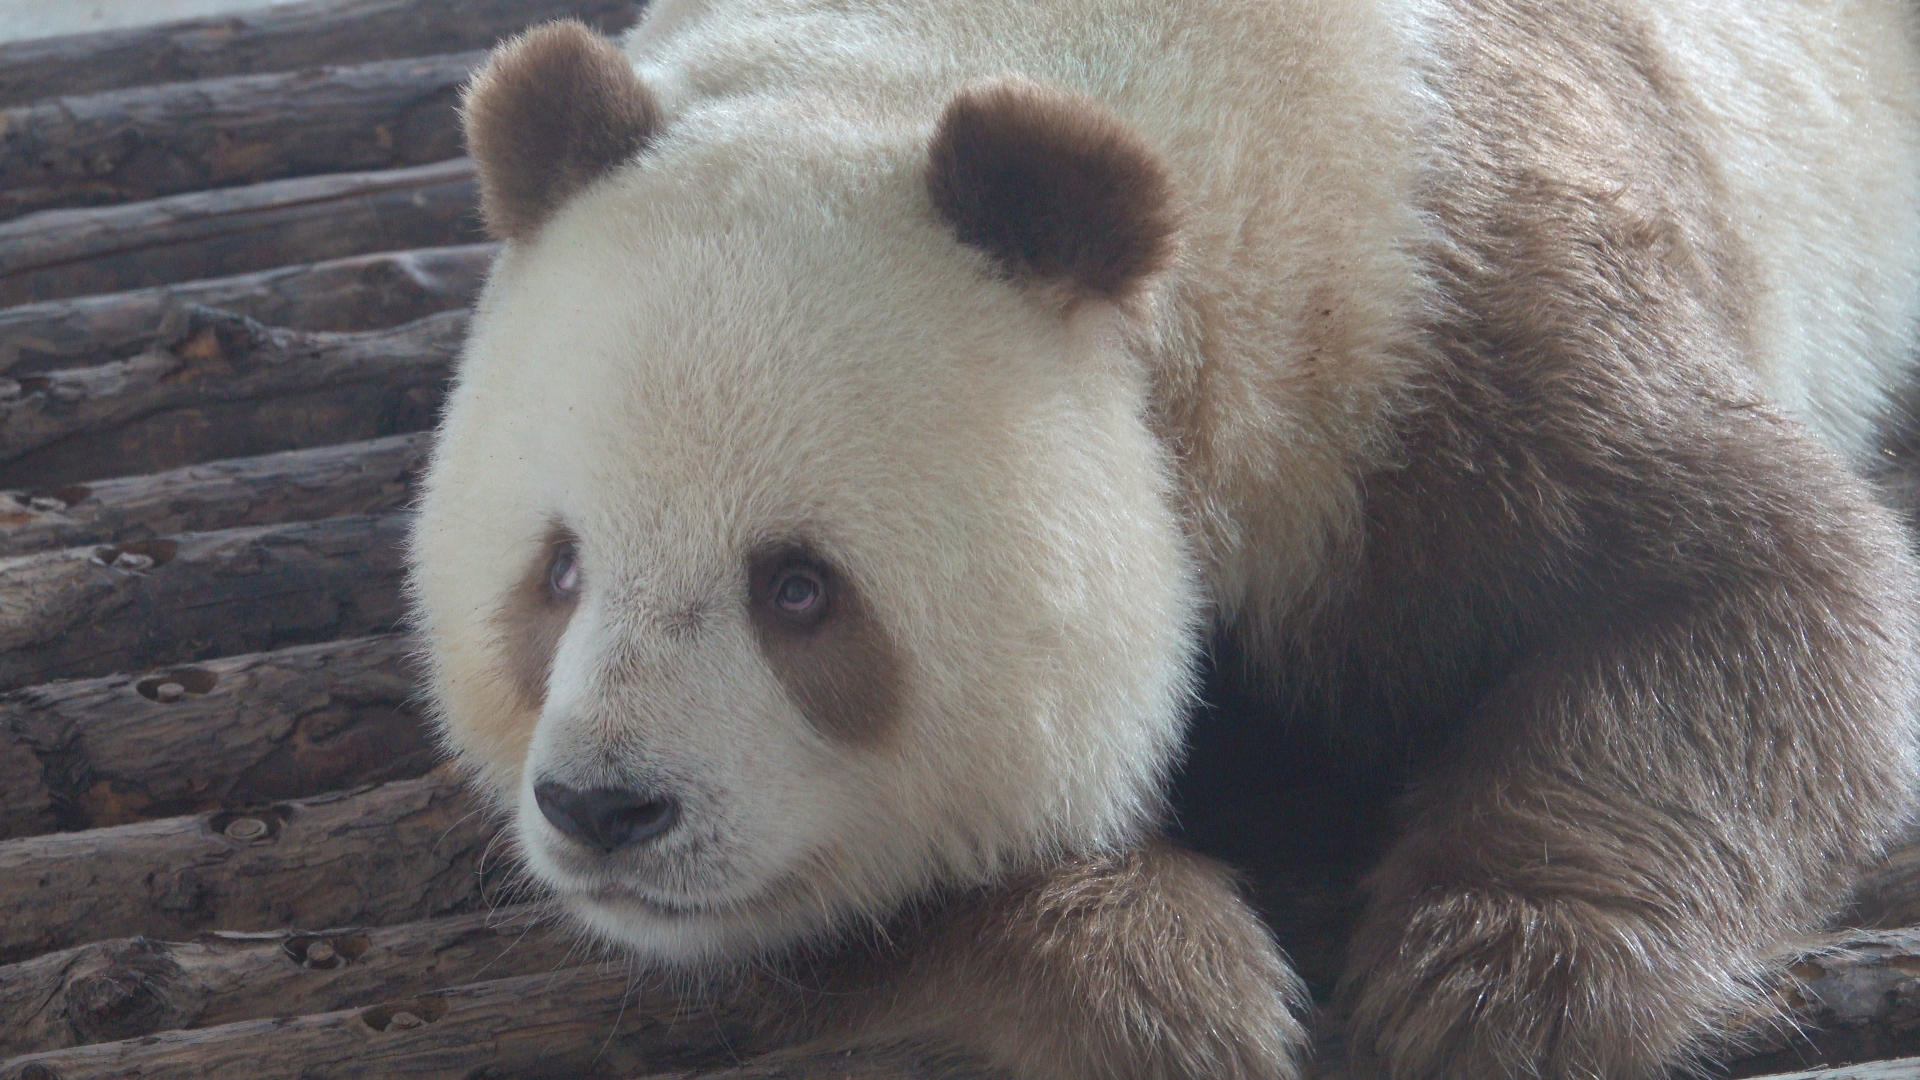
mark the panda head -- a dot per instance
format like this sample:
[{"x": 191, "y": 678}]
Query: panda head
[{"x": 796, "y": 542}]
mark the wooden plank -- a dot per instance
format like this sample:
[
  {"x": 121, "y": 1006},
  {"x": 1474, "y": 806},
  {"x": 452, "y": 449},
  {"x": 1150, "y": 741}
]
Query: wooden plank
[
  {"x": 1856, "y": 1000},
  {"x": 127, "y": 145},
  {"x": 587, "y": 1022},
  {"x": 298, "y": 485},
  {"x": 401, "y": 852},
  {"x": 362, "y": 292},
  {"x": 84, "y": 612},
  {"x": 225, "y": 386},
  {"x": 284, "y": 37},
  {"x": 238, "y": 730},
  {"x": 58, "y": 253},
  {"x": 1902, "y": 1069},
  {"x": 129, "y": 987}
]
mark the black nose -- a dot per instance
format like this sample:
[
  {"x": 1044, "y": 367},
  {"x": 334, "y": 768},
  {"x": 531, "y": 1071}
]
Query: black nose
[{"x": 605, "y": 818}]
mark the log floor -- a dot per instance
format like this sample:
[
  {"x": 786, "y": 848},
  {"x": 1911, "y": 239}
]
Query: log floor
[{"x": 235, "y": 260}]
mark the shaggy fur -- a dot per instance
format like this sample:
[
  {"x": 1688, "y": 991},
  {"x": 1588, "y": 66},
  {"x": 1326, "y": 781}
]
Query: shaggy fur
[
  {"x": 1099, "y": 952},
  {"x": 1489, "y": 371}
]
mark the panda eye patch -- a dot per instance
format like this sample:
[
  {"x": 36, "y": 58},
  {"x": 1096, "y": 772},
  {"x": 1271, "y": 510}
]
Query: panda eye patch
[{"x": 563, "y": 574}]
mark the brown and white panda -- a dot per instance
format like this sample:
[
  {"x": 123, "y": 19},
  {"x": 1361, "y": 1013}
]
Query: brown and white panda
[{"x": 879, "y": 404}]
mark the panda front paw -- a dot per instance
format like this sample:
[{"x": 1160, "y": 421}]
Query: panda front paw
[{"x": 1469, "y": 983}]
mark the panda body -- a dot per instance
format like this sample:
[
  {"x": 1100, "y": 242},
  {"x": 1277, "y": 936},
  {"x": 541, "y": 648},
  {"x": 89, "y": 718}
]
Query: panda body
[{"x": 877, "y": 404}]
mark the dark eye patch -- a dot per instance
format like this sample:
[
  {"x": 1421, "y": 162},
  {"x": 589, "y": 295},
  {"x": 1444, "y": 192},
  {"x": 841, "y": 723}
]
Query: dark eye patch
[
  {"x": 535, "y": 614},
  {"x": 833, "y": 657}
]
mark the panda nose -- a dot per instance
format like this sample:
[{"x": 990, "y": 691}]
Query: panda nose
[{"x": 605, "y": 818}]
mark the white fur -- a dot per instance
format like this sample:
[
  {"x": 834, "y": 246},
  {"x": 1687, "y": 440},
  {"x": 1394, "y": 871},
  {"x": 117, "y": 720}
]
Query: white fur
[{"x": 761, "y": 326}]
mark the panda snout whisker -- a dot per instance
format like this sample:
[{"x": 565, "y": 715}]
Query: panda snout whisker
[{"x": 606, "y": 819}]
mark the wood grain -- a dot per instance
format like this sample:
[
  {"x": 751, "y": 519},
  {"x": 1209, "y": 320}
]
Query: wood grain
[
  {"x": 127, "y": 145},
  {"x": 298, "y": 485},
  {"x": 58, "y": 1000},
  {"x": 283, "y": 37},
  {"x": 584, "y": 1023},
  {"x": 86, "y": 612},
  {"x": 60, "y": 253},
  {"x": 362, "y": 292},
  {"x": 245, "y": 729},
  {"x": 223, "y": 386},
  {"x": 400, "y": 852}
]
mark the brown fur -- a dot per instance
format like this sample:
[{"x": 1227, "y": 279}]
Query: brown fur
[
  {"x": 843, "y": 671},
  {"x": 1145, "y": 965},
  {"x": 531, "y": 621},
  {"x": 1053, "y": 187},
  {"x": 554, "y": 110},
  {"x": 1651, "y": 634}
]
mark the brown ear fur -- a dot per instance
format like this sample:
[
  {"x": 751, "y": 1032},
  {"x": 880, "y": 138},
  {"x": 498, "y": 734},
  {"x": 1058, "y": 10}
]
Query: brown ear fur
[
  {"x": 554, "y": 110},
  {"x": 1053, "y": 186}
]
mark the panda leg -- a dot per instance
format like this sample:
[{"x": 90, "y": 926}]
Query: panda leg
[
  {"x": 1145, "y": 965},
  {"x": 1629, "y": 832}
]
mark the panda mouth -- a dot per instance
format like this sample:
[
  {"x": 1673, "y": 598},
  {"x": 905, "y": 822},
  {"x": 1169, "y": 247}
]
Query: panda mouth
[{"x": 670, "y": 909}]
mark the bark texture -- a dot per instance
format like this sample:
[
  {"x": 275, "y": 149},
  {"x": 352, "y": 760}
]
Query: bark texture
[
  {"x": 283, "y": 37},
  {"x": 129, "y": 987},
  {"x": 298, "y": 485},
  {"x": 126, "y": 145},
  {"x": 240, "y": 730},
  {"x": 59, "y": 253},
  {"x": 364, "y": 292},
  {"x": 224, "y": 386},
  {"x": 583, "y": 1022},
  {"x": 396, "y": 853},
  {"x": 85, "y": 612}
]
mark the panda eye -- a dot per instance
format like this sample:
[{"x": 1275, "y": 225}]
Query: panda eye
[
  {"x": 563, "y": 575},
  {"x": 799, "y": 593}
]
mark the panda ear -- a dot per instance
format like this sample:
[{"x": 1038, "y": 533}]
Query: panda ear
[
  {"x": 553, "y": 110},
  {"x": 1055, "y": 188}
]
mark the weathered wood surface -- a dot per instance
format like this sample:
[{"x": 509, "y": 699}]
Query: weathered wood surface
[
  {"x": 1857, "y": 1000},
  {"x": 129, "y": 987},
  {"x": 584, "y": 1022},
  {"x": 85, "y": 612},
  {"x": 283, "y": 37},
  {"x": 127, "y": 145},
  {"x": 298, "y": 485},
  {"x": 362, "y": 292},
  {"x": 288, "y": 724},
  {"x": 1903, "y": 1069},
  {"x": 59, "y": 253},
  {"x": 400, "y": 852},
  {"x": 224, "y": 386}
]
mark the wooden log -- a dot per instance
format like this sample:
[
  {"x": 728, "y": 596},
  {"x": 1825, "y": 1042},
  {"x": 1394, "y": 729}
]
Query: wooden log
[
  {"x": 298, "y": 485},
  {"x": 224, "y": 386},
  {"x": 283, "y": 37},
  {"x": 364, "y": 292},
  {"x": 239, "y": 730},
  {"x": 126, "y": 145},
  {"x": 130, "y": 987},
  {"x": 1856, "y": 1000},
  {"x": 400, "y": 852},
  {"x": 586, "y": 1022},
  {"x": 1903, "y": 1069},
  {"x": 84, "y": 612},
  {"x": 58, "y": 253}
]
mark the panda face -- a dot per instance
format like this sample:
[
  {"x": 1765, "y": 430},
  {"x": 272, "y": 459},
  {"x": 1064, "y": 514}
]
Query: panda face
[{"x": 780, "y": 560}]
